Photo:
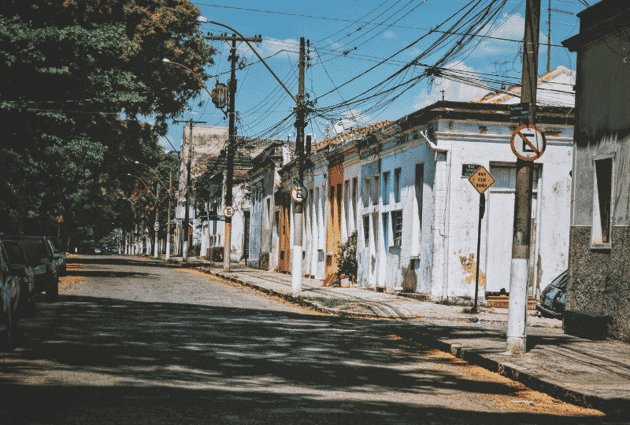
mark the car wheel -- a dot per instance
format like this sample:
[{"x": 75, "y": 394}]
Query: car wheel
[
  {"x": 27, "y": 307},
  {"x": 52, "y": 292},
  {"x": 6, "y": 337}
]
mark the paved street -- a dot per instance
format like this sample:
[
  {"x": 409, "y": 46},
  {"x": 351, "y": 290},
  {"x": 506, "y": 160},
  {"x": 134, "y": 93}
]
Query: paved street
[{"x": 134, "y": 341}]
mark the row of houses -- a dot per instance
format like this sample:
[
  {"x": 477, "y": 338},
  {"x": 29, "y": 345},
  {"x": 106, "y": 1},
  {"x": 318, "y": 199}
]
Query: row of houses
[{"x": 403, "y": 187}]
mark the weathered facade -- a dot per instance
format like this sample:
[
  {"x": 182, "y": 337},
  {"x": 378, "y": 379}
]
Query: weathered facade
[
  {"x": 207, "y": 141},
  {"x": 418, "y": 212},
  {"x": 264, "y": 181},
  {"x": 600, "y": 214}
]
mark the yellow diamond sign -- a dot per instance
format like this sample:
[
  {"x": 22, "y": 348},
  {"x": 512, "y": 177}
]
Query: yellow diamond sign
[{"x": 481, "y": 180}]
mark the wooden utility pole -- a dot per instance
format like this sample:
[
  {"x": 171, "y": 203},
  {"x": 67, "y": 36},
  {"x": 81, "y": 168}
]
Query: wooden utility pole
[
  {"x": 549, "y": 36},
  {"x": 298, "y": 217},
  {"x": 185, "y": 231},
  {"x": 517, "y": 308},
  {"x": 229, "y": 180}
]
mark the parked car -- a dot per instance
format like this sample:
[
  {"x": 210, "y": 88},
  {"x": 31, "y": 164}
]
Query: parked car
[
  {"x": 59, "y": 254},
  {"x": 553, "y": 298},
  {"x": 9, "y": 297},
  {"x": 19, "y": 264},
  {"x": 41, "y": 258}
]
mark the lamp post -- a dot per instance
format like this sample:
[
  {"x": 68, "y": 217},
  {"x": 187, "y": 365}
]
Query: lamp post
[{"x": 300, "y": 124}]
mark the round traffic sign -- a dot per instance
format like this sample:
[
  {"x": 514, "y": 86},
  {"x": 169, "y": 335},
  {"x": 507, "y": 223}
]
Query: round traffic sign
[
  {"x": 156, "y": 226},
  {"x": 528, "y": 142},
  {"x": 228, "y": 211},
  {"x": 298, "y": 194}
]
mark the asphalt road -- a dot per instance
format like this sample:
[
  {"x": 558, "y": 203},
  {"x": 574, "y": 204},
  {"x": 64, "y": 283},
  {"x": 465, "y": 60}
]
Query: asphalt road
[{"x": 133, "y": 341}]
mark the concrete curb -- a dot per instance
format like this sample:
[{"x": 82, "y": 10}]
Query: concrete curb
[
  {"x": 615, "y": 409},
  {"x": 297, "y": 300}
]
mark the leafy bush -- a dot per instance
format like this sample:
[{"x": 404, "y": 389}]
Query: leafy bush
[
  {"x": 216, "y": 254},
  {"x": 347, "y": 259}
]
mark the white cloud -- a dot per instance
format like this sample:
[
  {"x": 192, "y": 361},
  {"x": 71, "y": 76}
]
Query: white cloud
[
  {"x": 454, "y": 91},
  {"x": 281, "y": 49},
  {"x": 389, "y": 35},
  {"x": 510, "y": 27}
]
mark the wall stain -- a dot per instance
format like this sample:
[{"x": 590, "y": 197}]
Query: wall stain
[{"x": 470, "y": 267}]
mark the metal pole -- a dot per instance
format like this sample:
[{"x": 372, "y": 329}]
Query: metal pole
[
  {"x": 298, "y": 217},
  {"x": 482, "y": 209},
  {"x": 517, "y": 307},
  {"x": 168, "y": 223},
  {"x": 229, "y": 178}
]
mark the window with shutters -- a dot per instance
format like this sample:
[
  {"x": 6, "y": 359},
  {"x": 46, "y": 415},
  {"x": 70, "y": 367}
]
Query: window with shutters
[{"x": 397, "y": 227}]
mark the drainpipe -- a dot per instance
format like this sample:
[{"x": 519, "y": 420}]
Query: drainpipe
[{"x": 447, "y": 208}]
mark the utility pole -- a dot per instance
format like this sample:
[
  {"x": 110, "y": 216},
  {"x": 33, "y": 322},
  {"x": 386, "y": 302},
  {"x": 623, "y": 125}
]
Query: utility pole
[
  {"x": 185, "y": 232},
  {"x": 298, "y": 217},
  {"x": 517, "y": 307},
  {"x": 549, "y": 36},
  {"x": 229, "y": 180},
  {"x": 168, "y": 223},
  {"x": 156, "y": 226}
]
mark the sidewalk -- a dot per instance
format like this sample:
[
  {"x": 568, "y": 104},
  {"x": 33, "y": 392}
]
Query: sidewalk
[{"x": 588, "y": 373}]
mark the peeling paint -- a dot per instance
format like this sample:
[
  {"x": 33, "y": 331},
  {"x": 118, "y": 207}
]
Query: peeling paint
[{"x": 470, "y": 268}]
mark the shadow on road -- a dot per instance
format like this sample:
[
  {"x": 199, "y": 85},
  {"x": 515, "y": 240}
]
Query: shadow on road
[{"x": 96, "y": 360}]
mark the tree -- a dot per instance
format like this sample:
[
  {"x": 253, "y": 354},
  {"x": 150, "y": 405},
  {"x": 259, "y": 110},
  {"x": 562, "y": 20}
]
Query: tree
[{"x": 77, "y": 76}]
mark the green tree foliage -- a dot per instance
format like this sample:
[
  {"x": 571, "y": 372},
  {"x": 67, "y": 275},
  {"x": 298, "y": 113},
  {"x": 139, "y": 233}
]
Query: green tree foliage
[{"x": 77, "y": 76}]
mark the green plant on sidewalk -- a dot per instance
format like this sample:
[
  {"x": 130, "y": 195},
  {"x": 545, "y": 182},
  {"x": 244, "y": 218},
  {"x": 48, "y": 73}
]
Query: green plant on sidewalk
[{"x": 347, "y": 265}]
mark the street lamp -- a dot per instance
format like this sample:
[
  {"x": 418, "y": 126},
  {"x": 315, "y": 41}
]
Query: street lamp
[{"x": 300, "y": 124}]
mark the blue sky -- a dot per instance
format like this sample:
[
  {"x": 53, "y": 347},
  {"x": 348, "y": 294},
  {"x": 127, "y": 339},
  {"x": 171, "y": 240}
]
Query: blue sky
[{"x": 347, "y": 37}]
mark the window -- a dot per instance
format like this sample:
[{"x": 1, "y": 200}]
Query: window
[
  {"x": 419, "y": 188},
  {"x": 397, "y": 188},
  {"x": 385, "y": 230},
  {"x": 366, "y": 192},
  {"x": 376, "y": 180},
  {"x": 355, "y": 184},
  {"x": 385, "y": 191},
  {"x": 268, "y": 215},
  {"x": 375, "y": 229},
  {"x": 346, "y": 204},
  {"x": 366, "y": 230},
  {"x": 602, "y": 197},
  {"x": 397, "y": 227}
]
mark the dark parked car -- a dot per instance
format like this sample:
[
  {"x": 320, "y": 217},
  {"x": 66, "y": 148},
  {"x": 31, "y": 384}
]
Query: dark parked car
[
  {"x": 19, "y": 264},
  {"x": 9, "y": 299},
  {"x": 60, "y": 255},
  {"x": 42, "y": 259},
  {"x": 553, "y": 298}
]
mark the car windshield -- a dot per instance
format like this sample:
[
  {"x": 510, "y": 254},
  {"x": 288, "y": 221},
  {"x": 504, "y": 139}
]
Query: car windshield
[
  {"x": 561, "y": 281},
  {"x": 35, "y": 249},
  {"x": 15, "y": 254}
]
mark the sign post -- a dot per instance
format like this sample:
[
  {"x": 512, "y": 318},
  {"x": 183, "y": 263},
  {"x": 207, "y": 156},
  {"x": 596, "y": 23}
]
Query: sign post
[{"x": 481, "y": 181}]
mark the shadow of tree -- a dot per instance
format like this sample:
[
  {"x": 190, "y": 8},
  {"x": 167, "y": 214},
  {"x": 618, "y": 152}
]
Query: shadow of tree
[{"x": 98, "y": 360}]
